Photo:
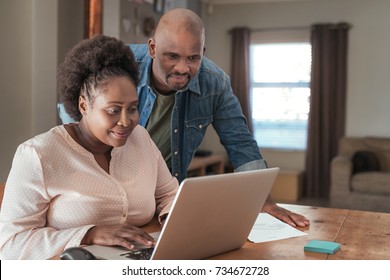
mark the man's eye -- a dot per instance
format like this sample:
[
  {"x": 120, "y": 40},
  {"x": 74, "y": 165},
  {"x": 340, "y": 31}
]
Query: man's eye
[
  {"x": 173, "y": 56},
  {"x": 193, "y": 58}
]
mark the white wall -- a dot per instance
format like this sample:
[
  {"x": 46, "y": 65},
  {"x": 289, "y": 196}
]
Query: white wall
[
  {"x": 15, "y": 78},
  {"x": 368, "y": 62},
  {"x": 111, "y": 10},
  {"x": 70, "y": 25},
  {"x": 34, "y": 39},
  {"x": 44, "y": 65}
]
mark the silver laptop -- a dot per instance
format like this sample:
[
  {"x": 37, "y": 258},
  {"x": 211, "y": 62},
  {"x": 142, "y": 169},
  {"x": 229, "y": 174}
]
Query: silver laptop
[{"x": 210, "y": 215}]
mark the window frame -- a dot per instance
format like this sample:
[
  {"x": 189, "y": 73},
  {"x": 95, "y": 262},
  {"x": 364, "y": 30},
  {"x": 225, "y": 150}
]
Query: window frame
[{"x": 298, "y": 35}]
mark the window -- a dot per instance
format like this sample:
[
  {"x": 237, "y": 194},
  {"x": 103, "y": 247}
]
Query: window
[{"x": 280, "y": 93}]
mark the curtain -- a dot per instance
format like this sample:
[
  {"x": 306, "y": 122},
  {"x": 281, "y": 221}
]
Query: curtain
[
  {"x": 240, "y": 70},
  {"x": 327, "y": 104}
]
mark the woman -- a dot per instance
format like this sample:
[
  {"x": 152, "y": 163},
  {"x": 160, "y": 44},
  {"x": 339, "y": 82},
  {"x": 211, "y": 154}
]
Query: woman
[{"x": 91, "y": 182}]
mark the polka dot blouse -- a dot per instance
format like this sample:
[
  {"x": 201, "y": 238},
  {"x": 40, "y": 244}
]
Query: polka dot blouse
[{"x": 56, "y": 191}]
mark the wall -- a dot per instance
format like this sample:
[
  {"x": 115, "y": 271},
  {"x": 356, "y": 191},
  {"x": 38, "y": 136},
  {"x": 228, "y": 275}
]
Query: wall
[
  {"x": 70, "y": 30},
  {"x": 36, "y": 39},
  {"x": 111, "y": 10},
  {"x": 15, "y": 77},
  {"x": 70, "y": 25},
  {"x": 125, "y": 19},
  {"x": 132, "y": 18},
  {"x": 368, "y": 61},
  {"x": 27, "y": 73}
]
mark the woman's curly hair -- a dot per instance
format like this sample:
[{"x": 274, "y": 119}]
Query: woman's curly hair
[{"x": 90, "y": 64}]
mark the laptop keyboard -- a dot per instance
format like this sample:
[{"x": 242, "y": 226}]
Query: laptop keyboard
[{"x": 141, "y": 254}]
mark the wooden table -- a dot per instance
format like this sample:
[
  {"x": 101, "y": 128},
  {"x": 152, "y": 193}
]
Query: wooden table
[{"x": 362, "y": 235}]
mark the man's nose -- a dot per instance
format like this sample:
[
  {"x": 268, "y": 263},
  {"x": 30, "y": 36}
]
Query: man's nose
[{"x": 182, "y": 66}]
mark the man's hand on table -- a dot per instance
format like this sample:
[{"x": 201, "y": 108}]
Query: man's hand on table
[{"x": 291, "y": 218}]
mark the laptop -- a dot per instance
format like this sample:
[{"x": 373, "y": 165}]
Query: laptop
[{"x": 210, "y": 215}]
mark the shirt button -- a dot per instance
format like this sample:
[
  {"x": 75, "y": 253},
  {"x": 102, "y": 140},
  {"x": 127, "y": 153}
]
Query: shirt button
[
  {"x": 176, "y": 174},
  {"x": 175, "y": 131},
  {"x": 175, "y": 153},
  {"x": 200, "y": 126},
  {"x": 124, "y": 215}
]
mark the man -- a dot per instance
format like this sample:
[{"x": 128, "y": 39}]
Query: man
[{"x": 181, "y": 92}]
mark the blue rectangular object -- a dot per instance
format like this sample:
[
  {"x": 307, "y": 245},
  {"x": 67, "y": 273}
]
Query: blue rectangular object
[{"x": 320, "y": 246}]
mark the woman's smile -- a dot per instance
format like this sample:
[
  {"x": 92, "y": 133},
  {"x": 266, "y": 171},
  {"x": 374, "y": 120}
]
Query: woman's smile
[{"x": 121, "y": 134}]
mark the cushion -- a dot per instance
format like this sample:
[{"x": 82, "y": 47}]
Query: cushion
[
  {"x": 377, "y": 143},
  {"x": 371, "y": 182},
  {"x": 364, "y": 161}
]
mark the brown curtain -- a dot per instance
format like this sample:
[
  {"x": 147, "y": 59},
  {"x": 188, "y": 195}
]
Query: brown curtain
[
  {"x": 240, "y": 70},
  {"x": 327, "y": 104}
]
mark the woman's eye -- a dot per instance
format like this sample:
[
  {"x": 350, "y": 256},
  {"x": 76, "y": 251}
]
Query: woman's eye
[
  {"x": 133, "y": 109},
  {"x": 113, "y": 111}
]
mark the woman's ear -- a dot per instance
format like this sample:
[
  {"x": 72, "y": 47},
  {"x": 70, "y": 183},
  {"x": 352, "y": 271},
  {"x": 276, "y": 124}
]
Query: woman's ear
[{"x": 83, "y": 105}]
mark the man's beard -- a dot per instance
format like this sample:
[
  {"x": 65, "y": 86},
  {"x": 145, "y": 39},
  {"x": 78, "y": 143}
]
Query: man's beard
[{"x": 177, "y": 86}]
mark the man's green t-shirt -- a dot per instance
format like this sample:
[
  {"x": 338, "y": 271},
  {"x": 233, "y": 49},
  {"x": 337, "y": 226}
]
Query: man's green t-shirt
[{"x": 159, "y": 124}]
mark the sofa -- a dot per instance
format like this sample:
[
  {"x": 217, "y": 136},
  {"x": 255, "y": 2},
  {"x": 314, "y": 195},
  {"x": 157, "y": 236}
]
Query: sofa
[{"x": 360, "y": 174}]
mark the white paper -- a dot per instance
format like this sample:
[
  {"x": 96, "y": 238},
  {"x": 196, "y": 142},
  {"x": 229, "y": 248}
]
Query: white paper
[{"x": 269, "y": 228}]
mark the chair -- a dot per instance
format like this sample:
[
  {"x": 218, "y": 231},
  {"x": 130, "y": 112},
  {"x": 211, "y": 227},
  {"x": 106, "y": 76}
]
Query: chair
[{"x": 360, "y": 174}]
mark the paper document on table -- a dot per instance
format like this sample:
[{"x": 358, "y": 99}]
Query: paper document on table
[{"x": 269, "y": 228}]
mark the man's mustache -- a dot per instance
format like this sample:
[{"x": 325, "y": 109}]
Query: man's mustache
[{"x": 180, "y": 74}]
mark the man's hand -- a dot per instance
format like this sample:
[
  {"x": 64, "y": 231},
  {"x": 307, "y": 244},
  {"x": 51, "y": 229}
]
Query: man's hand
[{"x": 291, "y": 218}]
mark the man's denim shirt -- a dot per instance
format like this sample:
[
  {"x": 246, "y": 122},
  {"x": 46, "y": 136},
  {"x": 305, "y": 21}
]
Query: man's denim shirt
[{"x": 208, "y": 99}]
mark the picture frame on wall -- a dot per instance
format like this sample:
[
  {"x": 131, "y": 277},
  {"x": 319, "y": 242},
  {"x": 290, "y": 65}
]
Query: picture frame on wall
[{"x": 159, "y": 6}]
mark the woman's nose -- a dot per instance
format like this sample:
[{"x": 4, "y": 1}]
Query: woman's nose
[{"x": 124, "y": 120}]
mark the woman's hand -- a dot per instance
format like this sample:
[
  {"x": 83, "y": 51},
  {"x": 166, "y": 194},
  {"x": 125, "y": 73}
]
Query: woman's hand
[{"x": 124, "y": 235}]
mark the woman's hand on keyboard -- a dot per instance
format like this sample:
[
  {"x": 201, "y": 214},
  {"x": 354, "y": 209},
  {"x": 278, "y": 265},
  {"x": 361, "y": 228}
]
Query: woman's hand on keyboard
[{"x": 125, "y": 235}]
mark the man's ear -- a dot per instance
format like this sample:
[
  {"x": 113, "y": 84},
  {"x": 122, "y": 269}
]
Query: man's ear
[
  {"x": 152, "y": 47},
  {"x": 83, "y": 105}
]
